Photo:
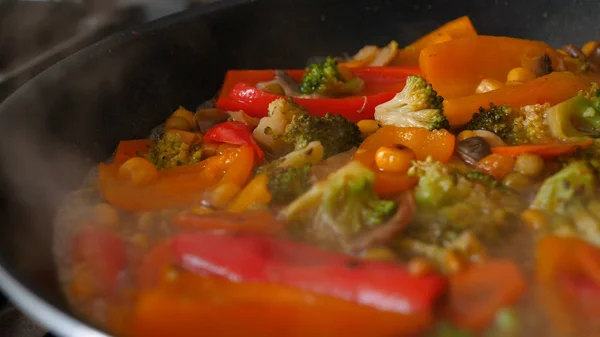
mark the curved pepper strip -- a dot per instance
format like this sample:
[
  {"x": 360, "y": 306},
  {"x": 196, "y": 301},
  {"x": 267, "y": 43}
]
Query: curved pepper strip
[
  {"x": 437, "y": 144},
  {"x": 383, "y": 285},
  {"x": 552, "y": 88},
  {"x": 455, "y": 68},
  {"x": 381, "y": 85},
  {"x": 190, "y": 305},
  {"x": 178, "y": 186}
]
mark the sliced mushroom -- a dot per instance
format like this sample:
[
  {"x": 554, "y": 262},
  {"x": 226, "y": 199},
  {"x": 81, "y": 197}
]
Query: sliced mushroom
[
  {"x": 490, "y": 137},
  {"x": 473, "y": 149},
  {"x": 385, "y": 232},
  {"x": 207, "y": 118}
]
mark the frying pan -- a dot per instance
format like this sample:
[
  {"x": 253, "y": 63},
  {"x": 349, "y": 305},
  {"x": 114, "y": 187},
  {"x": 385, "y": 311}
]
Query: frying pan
[{"x": 71, "y": 116}]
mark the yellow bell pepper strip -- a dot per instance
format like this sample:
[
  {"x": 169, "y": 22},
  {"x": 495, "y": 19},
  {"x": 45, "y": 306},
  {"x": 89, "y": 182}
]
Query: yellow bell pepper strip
[
  {"x": 456, "y": 67},
  {"x": 128, "y": 149},
  {"x": 457, "y": 28},
  {"x": 178, "y": 186},
  {"x": 552, "y": 88},
  {"x": 255, "y": 194},
  {"x": 187, "y": 305},
  {"x": 438, "y": 144}
]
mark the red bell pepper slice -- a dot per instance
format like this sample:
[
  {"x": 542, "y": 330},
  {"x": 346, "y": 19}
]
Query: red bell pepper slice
[
  {"x": 239, "y": 92},
  {"x": 236, "y": 133},
  {"x": 383, "y": 285},
  {"x": 104, "y": 256}
]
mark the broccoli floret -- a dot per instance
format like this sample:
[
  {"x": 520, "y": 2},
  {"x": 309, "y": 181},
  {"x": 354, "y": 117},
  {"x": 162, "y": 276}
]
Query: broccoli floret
[
  {"x": 589, "y": 154},
  {"x": 290, "y": 124},
  {"x": 451, "y": 200},
  {"x": 498, "y": 119},
  {"x": 559, "y": 190},
  {"x": 325, "y": 79},
  {"x": 514, "y": 126},
  {"x": 336, "y": 133},
  {"x": 417, "y": 105},
  {"x": 335, "y": 209},
  {"x": 569, "y": 200},
  {"x": 171, "y": 151},
  {"x": 576, "y": 117},
  {"x": 288, "y": 183}
]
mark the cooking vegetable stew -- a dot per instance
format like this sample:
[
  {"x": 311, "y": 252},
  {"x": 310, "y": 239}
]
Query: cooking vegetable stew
[{"x": 444, "y": 188}]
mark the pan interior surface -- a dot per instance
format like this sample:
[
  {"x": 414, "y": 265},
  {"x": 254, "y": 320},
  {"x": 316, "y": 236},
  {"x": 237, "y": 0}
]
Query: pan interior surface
[{"x": 73, "y": 115}]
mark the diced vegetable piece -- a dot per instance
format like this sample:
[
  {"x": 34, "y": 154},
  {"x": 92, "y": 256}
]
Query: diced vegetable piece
[
  {"x": 476, "y": 294},
  {"x": 497, "y": 165},
  {"x": 191, "y": 305},
  {"x": 556, "y": 256},
  {"x": 456, "y": 67},
  {"x": 131, "y": 148},
  {"x": 553, "y": 88}
]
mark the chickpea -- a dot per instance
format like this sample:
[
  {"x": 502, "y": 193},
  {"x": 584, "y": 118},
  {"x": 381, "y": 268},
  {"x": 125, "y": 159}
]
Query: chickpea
[
  {"x": 391, "y": 159},
  {"x": 517, "y": 181},
  {"x": 138, "y": 171},
  {"x": 529, "y": 164}
]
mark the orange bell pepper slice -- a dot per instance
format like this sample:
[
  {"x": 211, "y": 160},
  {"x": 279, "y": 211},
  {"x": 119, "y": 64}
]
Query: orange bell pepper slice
[
  {"x": 438, "y": 144},
  {"x": 178, "y": 186},
  {"x": 131, "y": 148},
  {"x": 191, "y": 305},
  {"x": 476, "y": 294},
  {"x": 556, "y": 255},
  {"x": 497, "y": 165},
  {"x": 457, "y": 28},
  {"x": 456, "y": 67},
  {"x": 552, "y": 88}
]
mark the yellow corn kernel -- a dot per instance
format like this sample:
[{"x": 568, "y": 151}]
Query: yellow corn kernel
[
  {"x": 419, "y": 266},
  {"x": 589, "y": 48},
  {"x": 223, "y": 194},
  {"x": 465, "y": 134},
  {"x": 391, "y": 159},
  {"x": 201, "y": 210},
  {"x": 185, "y": 114},
  {"x": 379, "y": 253},
  {"x": 520, "y": 74},
  {"x": 367, "y": 126},
  {"x": 105, "y": 215},
  {"x": 488, "y": 84},
  {"x": 534, "y": 219},
  {"x": 138, "y": 171}
]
